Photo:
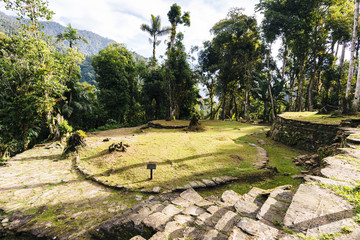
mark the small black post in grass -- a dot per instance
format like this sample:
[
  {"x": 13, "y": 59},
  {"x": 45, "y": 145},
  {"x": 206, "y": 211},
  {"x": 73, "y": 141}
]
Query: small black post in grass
[{"x": 151, "y": 166}]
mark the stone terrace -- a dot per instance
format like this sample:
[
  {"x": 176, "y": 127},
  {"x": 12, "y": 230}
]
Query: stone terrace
[{"x": 40, "y": 181}]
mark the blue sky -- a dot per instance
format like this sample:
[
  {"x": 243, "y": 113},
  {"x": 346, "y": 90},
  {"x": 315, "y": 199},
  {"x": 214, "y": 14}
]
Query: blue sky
[{"x": 120, "y": 20}]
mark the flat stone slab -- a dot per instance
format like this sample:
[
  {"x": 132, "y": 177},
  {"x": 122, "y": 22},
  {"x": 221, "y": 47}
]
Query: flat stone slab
[
  {"x": 214, "y": 235},
  {"x": 327, "y": 181},
  {"x": 137, "y": 238},
  {"x": 181, "y": 202},
  {"x": 341, "y": 173},
  {"x": 194, "y": 233},
  {"x": 193, "y": 211},
  {"x": 173, "y": 230},
  {"x": 158, "y": 236},
  {"x": 261, "y": 157},
  {"x": 316, "y": 211},
  {"x": 355, "y": 153},
  {"x": 183, "y": 219},
  {"x": 257, "y": 229},
  {"x": 273, "y": 210},
  {"x": 192, "y": 196},
  {"x": 208, "y": 183},
  {"x": 237, "y": 234},
  {"x": 230, "y": 197},
  {"x": 341, "y": 162},
  {"x": 227, "y": 222},
  {"x": 355, "y": 235},
  {"x": 156, "y": 221},
  {"x": 171, "y": 210},
  {"x": 246, "y": 208},
  {"x": 156, "y": 189},
  {"x": 218, "y": 180}
]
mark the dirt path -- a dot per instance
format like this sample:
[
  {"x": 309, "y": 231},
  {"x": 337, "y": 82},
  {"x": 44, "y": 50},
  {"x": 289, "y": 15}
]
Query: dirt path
[{"x": 58, "y": 201}]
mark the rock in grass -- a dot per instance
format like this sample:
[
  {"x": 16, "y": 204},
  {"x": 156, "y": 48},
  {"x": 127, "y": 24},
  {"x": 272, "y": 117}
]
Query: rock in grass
[
  {"x": 156, "y": 189},
  {"x": 230, "y": 197}
]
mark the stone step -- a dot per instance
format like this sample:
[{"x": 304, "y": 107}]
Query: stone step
[
  {"x": 341, "y": 169},
  {"x": 250, "y": 203},
  {"x": 315, "y": 211},
  {"x": 353, "y": 140},
  {"x": 355, "y": 153},
  {"x": 326, "y": 181},
  {"x": 257, "y": 229},
  {"x": 275, "y": 207}
]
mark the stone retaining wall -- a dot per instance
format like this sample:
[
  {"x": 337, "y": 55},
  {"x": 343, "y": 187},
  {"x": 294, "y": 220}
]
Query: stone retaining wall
[{"x": 304, "y": 135}]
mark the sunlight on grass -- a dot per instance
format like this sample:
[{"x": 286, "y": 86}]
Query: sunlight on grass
[
  {"x": 317, "y": 118},
  {"x": 180, "y": 156}
]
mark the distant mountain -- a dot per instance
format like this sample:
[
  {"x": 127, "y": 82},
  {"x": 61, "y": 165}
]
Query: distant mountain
[
  {"x": 9, "y": 25},
  {"x": 95, "y": 41}
]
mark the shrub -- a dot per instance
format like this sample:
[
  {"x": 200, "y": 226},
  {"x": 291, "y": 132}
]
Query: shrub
[
  {"x": 64, "y": 128},
  {"x": 74, "y": 142}
]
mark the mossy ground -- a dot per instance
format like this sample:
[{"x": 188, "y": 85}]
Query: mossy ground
[
  {"x": 182, "y": 156},
  {"x": 280, "y": 156},
  {"x": 318, "y": 118},
  {"x": 40, "y": 182}
]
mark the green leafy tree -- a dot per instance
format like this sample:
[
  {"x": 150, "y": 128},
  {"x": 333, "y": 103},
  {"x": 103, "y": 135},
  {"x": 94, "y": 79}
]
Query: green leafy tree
[
  {"x": 32, "y": 79},
  {"x": 176, "y": 18},
  {"x": 116, "y": 77},
  {"x": 155, "y": 31},
  {"x": 71, "y": 36},
  {"x": 237, "y": 43},
  {"x": 30, "y": 12},
  {"x": 182, "y": 80}
]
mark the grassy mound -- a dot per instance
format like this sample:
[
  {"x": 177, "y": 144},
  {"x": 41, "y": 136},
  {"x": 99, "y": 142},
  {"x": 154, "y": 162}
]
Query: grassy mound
[
  {"x": 317, "y": 118},
  {"x": 180, "y": 156}
]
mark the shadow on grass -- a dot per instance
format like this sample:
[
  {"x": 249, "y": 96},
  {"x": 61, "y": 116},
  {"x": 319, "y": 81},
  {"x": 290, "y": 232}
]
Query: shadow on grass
[
  {"x": 52, "y": 157},
  {"x": 46, "y": 184},
  {"x": 144, "y": 164}
]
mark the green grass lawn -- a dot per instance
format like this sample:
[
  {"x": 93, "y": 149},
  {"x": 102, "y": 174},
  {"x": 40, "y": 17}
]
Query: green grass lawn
[
  {"x": 182, "y": 156},
  {"x": 317, "y": 118}
]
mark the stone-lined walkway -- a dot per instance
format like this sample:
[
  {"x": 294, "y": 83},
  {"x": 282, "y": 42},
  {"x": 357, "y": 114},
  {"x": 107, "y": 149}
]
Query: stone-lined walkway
[
  {"x": 36, "y": 183},
  {"x": 314, "y": 211}
]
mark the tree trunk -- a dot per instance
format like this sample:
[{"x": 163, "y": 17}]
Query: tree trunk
[
  {"x": 357, "y": 94},
  {"x": 211, "y": 107},
  {"x": 299, "y": 100},
  {"x": 269, "y": 89},
  {"x": 341, "y": 68},
  {"x": 154, "y": 47},
  {"x": 247, "y": 110},
  {"x": 284, "y": 63},
  {"x": 224, "y": 107},
  {"x": 171, "y": 107},
  {"x": 236, "y": 111},
  {"x": 352, "y": 58},
  {"x": 310, "y": 90},
  {"x": 337, "y": 49}
]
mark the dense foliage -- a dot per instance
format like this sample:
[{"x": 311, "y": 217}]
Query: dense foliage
[{"x": 45, "y": 91}]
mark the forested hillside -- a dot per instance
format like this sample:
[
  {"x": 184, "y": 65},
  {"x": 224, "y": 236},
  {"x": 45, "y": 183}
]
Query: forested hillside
[
  {"x": 9, "y": 25},
  {"x": 96, "y": 42}
]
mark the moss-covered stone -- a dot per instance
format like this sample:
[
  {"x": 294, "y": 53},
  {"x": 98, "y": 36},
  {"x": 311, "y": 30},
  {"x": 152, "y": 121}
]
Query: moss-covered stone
[{"x": 304, "y": 135}]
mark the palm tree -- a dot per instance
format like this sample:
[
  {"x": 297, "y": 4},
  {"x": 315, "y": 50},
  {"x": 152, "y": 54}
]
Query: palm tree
[
  {"x": 155, "y": 31},
  {"x": 70, "y": 35}
]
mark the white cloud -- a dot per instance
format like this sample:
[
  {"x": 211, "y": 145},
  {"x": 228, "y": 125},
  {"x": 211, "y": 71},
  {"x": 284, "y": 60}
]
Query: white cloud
[{"x": 120, "y": 20}]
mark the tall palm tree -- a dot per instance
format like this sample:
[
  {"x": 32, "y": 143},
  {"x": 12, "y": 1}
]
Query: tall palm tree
[
  {"x": 70, "y": 35},
  {"x": 155, "y": 31}
]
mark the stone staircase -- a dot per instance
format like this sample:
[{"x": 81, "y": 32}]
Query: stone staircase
[{"x": 313, "y": 212}]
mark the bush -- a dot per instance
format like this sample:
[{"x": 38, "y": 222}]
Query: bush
[
  {"x": 74, "y": 142},
  {"x": 64, "y": 128}
]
